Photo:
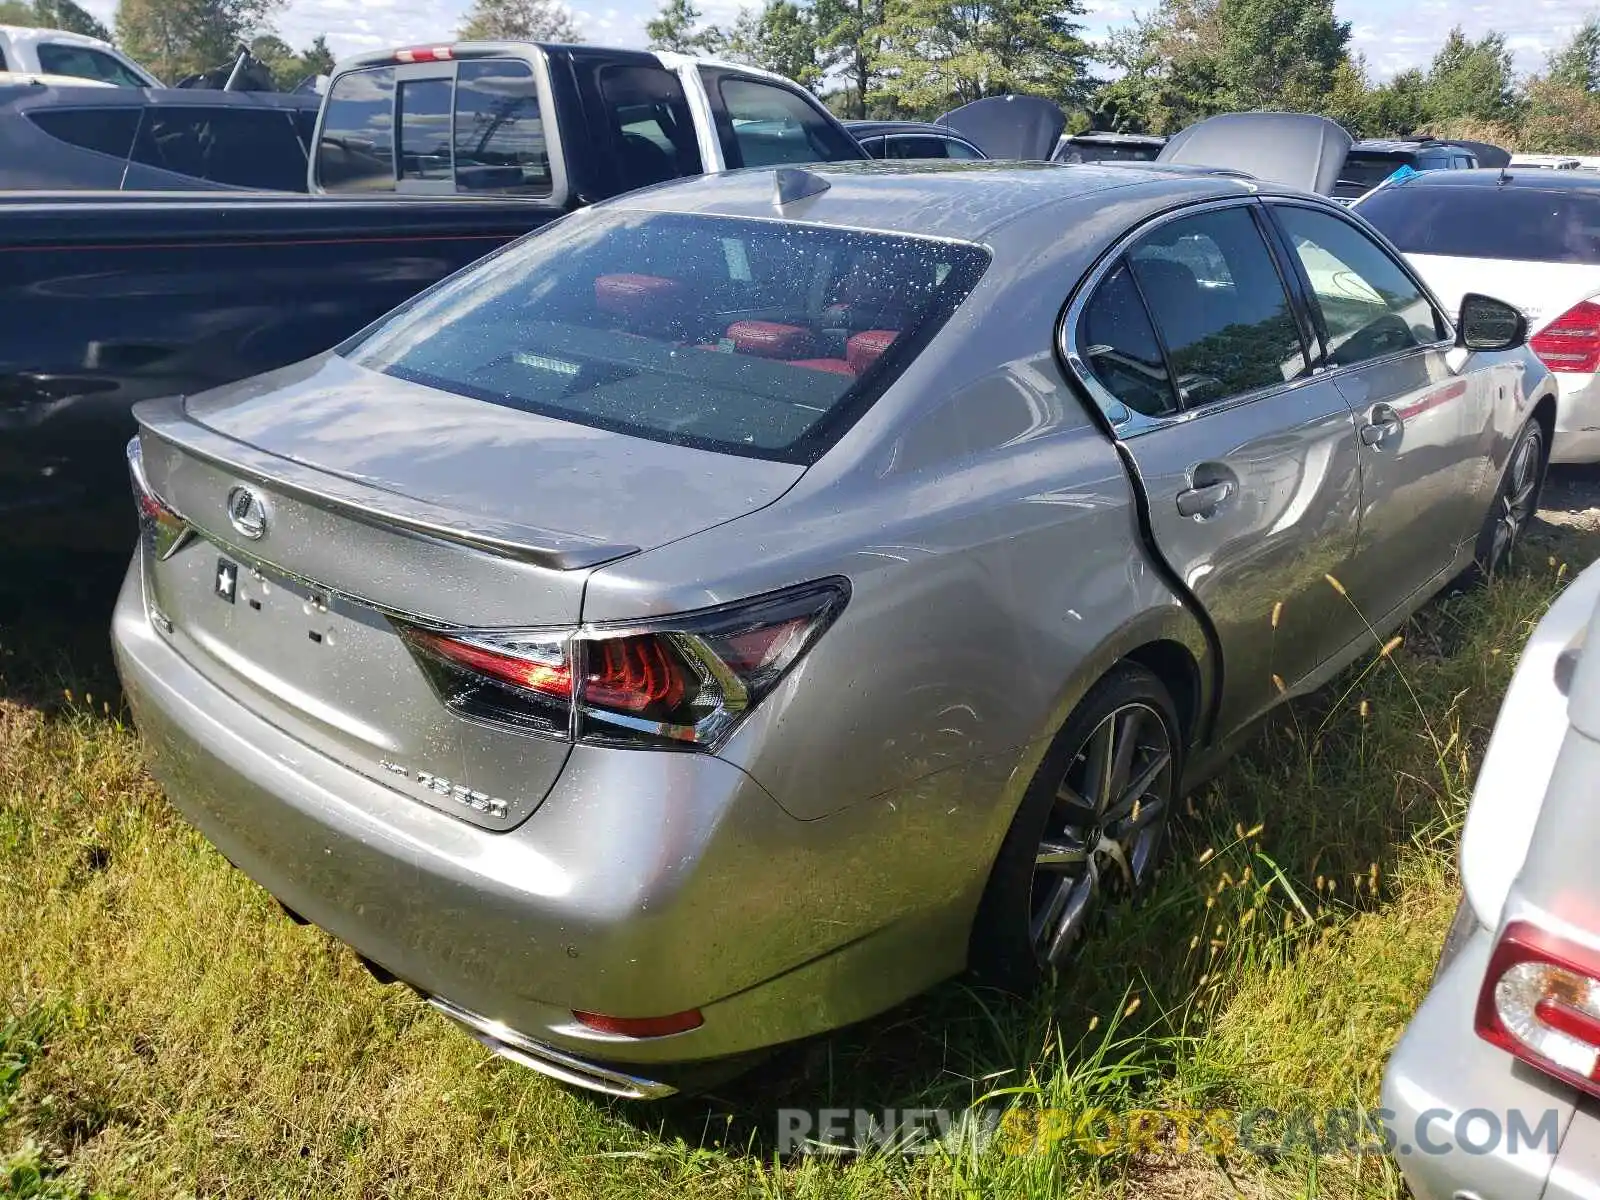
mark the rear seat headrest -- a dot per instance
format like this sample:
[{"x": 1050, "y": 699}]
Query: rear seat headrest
[
  {"x": 867, "y": 347},
  {"x": 768, "y": 339},
  {"x": 637, "y": 296}
]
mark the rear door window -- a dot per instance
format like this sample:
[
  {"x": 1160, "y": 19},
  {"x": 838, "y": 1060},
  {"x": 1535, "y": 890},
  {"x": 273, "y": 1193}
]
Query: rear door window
[
  {"x": 84, "y": 62},
  {"x": 761, "y": 338},
  {"x": 355, "y": 152},
  {"x": 425, "y": 140},
  {"x": 103, "y": 130},
  {"x": 1119, "y": 345},
  {"x": 768, "y": 125},
  {"x": 235, "y": 146},
  {"x": 651, "y": 124},
  {"x": 1220, "y": 306},
  {"x": 499, "y": 130},
  {"x": 1522, "y": 224},
  {"x": 925, "y": 145}
]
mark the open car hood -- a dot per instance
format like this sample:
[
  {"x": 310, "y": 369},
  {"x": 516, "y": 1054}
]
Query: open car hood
[
  {"x": 1014, "y": 127},
  {"x": 1294, "y": 149}
]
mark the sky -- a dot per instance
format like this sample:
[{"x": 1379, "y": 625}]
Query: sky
[{"x": 1393, "y": 34}]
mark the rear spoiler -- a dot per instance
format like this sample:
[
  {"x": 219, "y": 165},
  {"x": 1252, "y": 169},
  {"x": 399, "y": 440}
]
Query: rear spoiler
[{"x": 166, "y": 421}]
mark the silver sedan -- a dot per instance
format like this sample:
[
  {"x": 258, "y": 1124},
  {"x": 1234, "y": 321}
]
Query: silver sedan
[{"x": 727, "y": 613}]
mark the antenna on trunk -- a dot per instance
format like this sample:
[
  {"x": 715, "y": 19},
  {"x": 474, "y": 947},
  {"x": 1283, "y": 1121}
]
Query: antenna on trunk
[{"x": 793, "y": 183}]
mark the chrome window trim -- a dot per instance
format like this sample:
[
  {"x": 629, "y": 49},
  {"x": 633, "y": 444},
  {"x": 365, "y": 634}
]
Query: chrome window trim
[{"x": 1125, "y": 422}]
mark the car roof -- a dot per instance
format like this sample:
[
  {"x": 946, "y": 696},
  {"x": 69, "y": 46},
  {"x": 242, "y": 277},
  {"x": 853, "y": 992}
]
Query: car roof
[
  {"x": 24, "y": 33},
  {"x": 1541, "y": 178},
  {"x": 959, "y": 200},
  {"x": 876, "y": 128}
]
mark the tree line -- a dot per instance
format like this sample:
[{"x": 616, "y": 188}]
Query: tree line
[{"x": 1182, "y": 61}]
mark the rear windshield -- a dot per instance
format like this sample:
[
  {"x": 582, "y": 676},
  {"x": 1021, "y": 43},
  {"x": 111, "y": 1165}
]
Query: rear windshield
[
  {"x": 1087, "y": 152},
  {"x": 1521, "y": 223},
  {"x": 758, "y": 338},
  {"x": 1364, "y": 170}
]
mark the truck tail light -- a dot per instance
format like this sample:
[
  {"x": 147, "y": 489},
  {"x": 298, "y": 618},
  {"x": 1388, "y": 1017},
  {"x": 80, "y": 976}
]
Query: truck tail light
[
  {"x": 1571, "y": 343},
  {"x": 1540, "y": 1001},
  {"x": 424, "y": 54},
  {"x": 164, "y": 531},
  {"x": 679, "y": 683}
]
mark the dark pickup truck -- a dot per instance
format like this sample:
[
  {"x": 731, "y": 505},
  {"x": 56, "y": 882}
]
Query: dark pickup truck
[{"x": 425, "y": 160}]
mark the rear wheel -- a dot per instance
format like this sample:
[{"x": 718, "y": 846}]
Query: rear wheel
[
  {"x": 1516, "y": 501},
  {"x": 1092, "y": 825}
]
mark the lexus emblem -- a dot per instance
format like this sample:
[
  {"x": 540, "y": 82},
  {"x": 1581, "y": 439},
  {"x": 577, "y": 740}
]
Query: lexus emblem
[{"x": 247, "y": 513}]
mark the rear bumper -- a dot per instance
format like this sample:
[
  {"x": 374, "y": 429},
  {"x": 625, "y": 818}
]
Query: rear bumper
[
  {"x": 1577, "y": 437},
  {"x": 1464, "y": 1117},
  {"x": 644, "y": 885}
]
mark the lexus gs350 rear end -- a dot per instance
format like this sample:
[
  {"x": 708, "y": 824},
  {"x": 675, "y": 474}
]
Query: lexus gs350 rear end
[{"x": 725, "y": 614}]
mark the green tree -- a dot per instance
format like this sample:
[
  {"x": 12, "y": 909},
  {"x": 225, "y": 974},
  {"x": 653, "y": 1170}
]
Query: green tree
[
  {"x": 937, "y": 55},
  {"x": 850, "y": 39},
  {"x": 677, "y": 27},
  {"x": 1473, "y": 79},
  {"x": 1279, "y": 54},
  {"x": 1577, "y": 64},
  {"x": 1560, "y": 119},
  {"x": 175, "y": 38},
  {"x": 782, "y": 37},
  {"x": 518, "y": 21},
  {"x": 1397, "y": 108},
  {"x": 318, "y": 58},
  {"x": 52, "y": 14}
]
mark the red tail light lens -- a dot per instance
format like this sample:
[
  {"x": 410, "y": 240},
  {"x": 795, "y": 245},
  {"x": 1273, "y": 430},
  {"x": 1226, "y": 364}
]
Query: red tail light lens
[
  {"x": 1571, "y": 343},
  {"x": 681, "y": 683},
  {"x": 424, "y": 54},
  {"x": 1541, "y": 1002},
  {"x": 164, "y": 531}
]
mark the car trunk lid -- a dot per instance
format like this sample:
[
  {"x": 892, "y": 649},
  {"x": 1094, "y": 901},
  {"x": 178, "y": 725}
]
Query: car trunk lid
[{"x": 328, "y": 507}]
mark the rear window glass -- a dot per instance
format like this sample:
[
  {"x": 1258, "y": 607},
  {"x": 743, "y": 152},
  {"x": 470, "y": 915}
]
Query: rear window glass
[
  {"x": 758, "y": 338},
  {"x": 106, "y": 130},
  {"x": 1087, "y": 152},
  {"x": 1520, "y": 223},
  {"x": 1364, "y": 170},
  {"x": 235, "y": 146},
  {"x": 425, "y": 128},
  {"x": 356, "y": 149},
  {"x": 499, "y": 131}
]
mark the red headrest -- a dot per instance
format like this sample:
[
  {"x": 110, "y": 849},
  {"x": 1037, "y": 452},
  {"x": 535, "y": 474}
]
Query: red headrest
[
  {"x": 865, "y": 348},
  {"x": 836, "y": 365},
  {"x": 635, "y": 295},
  {"x": 767, "y": 339}
]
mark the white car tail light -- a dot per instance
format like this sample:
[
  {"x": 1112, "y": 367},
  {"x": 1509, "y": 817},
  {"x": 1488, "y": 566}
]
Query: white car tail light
[
  {"x": 1541, "y": 1002},
  {"x": 682, "y": 683},
  {"x": 1571, "y": 343}
]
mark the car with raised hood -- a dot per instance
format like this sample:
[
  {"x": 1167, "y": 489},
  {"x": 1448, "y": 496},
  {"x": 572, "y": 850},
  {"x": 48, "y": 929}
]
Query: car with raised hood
[
  {"x": 423, "y": 160},
  {"x": 1493, "y": 1089},
  {"x": 750, "y": 601},
  {"x": 1533, "y": 236}
]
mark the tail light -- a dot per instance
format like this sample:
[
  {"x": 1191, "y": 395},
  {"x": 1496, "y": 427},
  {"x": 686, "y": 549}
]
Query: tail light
[
  {"x": 1571, "y": 343},
  {"x": 680, "y": 683},
  {"x": 163, "y": 529},
  {"x": 1541, "y": 1002}
]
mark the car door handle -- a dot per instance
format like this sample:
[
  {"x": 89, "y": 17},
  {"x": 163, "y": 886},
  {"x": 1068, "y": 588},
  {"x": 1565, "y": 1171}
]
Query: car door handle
[
  {"x": 1203, "y": 501},
  {"x": 1382, "y": 423}
]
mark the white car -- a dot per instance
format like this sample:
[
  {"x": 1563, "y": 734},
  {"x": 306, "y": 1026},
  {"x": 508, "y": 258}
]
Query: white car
[
  {"x": 1494, "y": 1090},
  {"x": 1530, "y": 236},
  {"x": 57, "y": 52}
]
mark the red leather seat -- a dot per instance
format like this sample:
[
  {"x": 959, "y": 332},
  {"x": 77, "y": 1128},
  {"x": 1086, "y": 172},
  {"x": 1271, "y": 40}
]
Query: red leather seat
[
  {"x": 837, "y": 365},
  {"x": 637, "y": 296},
  {"x": 768, "y": 339},
  {"x": 865, "y": 348}
]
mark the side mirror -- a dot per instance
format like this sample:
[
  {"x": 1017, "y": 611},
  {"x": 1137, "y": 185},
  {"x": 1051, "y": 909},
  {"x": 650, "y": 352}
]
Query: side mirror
[{"x": 1490, "y": 324}]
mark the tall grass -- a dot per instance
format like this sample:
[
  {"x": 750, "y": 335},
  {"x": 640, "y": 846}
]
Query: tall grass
[{"x": 170, "y": 1033}]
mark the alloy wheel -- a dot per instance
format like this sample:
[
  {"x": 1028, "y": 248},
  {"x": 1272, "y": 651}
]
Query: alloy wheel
[
  {"x": 1104, "y": 828},
  {"x": 1519, "y": 497}
]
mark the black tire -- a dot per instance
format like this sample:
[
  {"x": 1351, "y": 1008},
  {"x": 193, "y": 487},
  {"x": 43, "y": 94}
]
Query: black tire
[
  {"x": 1515, "y": 502},
  {"x": 1014, "y": 919}
]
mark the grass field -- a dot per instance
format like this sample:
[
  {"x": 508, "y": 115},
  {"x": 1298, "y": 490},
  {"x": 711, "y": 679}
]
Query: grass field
[{"x": 169, "y": 1033}]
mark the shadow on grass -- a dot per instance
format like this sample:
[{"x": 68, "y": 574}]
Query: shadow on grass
[
  {"x": 1305, "y": 826},
  {"x": 55, "y": 619}
]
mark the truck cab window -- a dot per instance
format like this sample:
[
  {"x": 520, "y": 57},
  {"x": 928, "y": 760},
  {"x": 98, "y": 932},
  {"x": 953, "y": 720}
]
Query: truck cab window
[
  {"x": 425, "y": 129},
  {"x": 355, "y": 151},
  {"x": 85, "y": 63},
  {"x": 499, "y": 130},
  {"x": 771, "y": 125},
  {"x": 652, "y": 125}
]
